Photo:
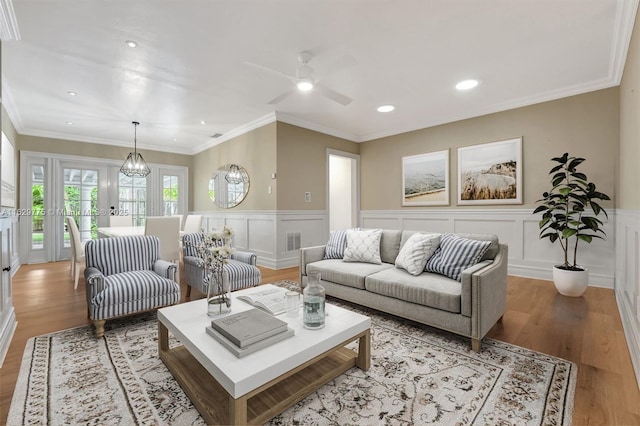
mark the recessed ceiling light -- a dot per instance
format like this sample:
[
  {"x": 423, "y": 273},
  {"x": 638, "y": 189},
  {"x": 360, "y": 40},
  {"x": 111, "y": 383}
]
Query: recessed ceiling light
[
  {"x": 131, "y": 43},
  {"x": 467, "y": 84},
  {"x": 71, "y": 93},
  {"x": 69, "y": 123},
  {"x": 202, "y": 122},
  {"x": 386, "y": 108}
]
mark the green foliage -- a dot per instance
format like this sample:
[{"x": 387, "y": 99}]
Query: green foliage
[{"x": 563, "y": 208}]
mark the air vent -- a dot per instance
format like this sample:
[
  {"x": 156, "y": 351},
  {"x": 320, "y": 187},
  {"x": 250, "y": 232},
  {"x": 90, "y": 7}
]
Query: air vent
[
  {"x": 216, "y": 135},
  {"x": 293, "y": 241}
]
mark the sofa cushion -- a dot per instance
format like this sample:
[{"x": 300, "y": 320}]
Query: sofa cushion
[
  {"x": 456, "y": 254},
  {"x": 427, "y": 289},
  {"x": 389, "y": 245},
  {"x": 416, "y": 251},
  {"x": 363, "y": 246},
  {"x": 336, "y": 244},
  {"x": 351, "y": 274},
  {"x": 133, "y": 291}
]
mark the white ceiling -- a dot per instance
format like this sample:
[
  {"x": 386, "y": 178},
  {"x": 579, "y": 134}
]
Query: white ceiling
[{"x": 191, "y": 64}]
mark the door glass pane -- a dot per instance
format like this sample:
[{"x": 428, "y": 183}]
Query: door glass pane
[
  {"x": 81, "y": 201},
  {"x": 37, "y": 207},
  {"x": 170, "y": 194},
  {"x": 132, "y": 197}
]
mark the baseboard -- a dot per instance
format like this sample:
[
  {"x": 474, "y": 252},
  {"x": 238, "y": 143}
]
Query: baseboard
[
  {"x": 6, "y": 333},
  {"x": 545, "y": 273}
]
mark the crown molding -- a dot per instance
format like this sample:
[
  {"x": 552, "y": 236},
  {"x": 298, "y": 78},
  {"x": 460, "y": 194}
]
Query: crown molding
[
  {"x": 246, "y": 128},
  {"x": 295, "y": 121}
]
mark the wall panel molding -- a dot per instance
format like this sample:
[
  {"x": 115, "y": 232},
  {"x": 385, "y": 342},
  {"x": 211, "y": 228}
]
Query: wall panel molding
[
  {"x": 627, "y": 282},
  {"x": 528, "y": 255}
]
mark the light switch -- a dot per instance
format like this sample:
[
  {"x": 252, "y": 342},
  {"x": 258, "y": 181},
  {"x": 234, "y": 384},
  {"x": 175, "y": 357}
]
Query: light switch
[
  {"x": 307, "y": 197},
  {"x": 269, "y": 189}
]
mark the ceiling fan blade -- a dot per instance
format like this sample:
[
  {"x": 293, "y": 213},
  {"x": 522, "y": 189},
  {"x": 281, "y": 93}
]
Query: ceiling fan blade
[
  {"x": 333, "y": 95},
  {"x": 281, "y": 97},
  {"x": 270, "y": 70}
]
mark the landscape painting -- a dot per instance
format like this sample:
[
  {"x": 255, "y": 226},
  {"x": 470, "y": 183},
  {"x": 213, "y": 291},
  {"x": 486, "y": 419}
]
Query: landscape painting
[
  {"x": 425, "y": 179},
  {"x": 490, "y": 173}
]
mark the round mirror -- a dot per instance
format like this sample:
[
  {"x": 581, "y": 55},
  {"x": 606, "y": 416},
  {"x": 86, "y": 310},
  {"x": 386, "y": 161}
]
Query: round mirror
[{"x": 229, "y": 186}]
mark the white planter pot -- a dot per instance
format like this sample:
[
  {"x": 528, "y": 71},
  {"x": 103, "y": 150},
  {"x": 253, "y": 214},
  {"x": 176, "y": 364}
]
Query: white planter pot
[{"x": 570, "y": 283}]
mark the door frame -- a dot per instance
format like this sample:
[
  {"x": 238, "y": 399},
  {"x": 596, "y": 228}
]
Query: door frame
[{"x": 355, "y": 186}]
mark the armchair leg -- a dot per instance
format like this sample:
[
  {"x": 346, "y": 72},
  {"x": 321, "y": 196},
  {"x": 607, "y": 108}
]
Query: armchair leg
[
  {"x": 475, "y": 344},
  {"x": 99, "y": 325},
  {"x": 188, "y": 290}
]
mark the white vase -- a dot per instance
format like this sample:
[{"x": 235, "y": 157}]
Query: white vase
[{"x": 570, "y": 283}]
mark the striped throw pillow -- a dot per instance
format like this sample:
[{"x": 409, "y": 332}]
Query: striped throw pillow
[
  {"x": 456, "y": 254},
  {"x": 336, "y": 245}
]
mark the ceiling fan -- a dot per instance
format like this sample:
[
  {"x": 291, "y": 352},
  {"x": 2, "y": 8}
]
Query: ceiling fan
[{"x": 304, "y": 81}]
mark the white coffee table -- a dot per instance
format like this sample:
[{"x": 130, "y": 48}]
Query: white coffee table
[{"x": 253, "y": 389}]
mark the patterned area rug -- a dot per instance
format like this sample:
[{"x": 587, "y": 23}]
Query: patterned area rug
[{"x": 418, "y": 375}]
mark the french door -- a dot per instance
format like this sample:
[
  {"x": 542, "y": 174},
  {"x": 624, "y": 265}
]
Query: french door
[
  {"x": 56, "y": 190},
  {"x": 88, "y": 189}
]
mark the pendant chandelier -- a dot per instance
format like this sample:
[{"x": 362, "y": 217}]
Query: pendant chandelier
[{"x": 135, "y": 165}]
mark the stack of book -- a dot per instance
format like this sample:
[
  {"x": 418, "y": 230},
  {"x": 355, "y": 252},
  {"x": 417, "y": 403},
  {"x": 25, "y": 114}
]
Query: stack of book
[{"x": 246, "y": 332}]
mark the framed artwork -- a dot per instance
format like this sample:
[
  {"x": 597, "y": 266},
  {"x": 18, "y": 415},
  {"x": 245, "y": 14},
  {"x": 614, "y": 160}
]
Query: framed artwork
[
  {"x": 490, "y": 173},
  {"x": 425, "y": 179},
  {"x": 8, "y": 171}
]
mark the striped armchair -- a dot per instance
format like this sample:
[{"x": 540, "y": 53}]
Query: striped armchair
[
  {"x": 124, "y": 276},
  {"x": 240, "y": 270}
]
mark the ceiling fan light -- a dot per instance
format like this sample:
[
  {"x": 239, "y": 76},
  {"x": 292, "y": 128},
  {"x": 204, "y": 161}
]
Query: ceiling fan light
[{"x": 304, "y": 84}]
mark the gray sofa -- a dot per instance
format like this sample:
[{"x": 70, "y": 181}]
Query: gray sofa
[{"x": 469, "y": 307}]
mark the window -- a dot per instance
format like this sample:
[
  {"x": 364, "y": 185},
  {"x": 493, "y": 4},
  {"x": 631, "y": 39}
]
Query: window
[
  {"x": 170, "y": 194},
  {"x": 81, "y": 201},
  {"x": 37, "y": 207},
  {"x": 132, "y": 197}
]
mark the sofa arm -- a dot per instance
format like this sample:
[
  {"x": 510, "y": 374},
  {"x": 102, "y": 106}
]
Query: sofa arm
[
  {"x": 245, "y": 257},
  {"x": 488, "y": 293},
  {"x": 94, "y": 283},
  {"x": 165, "y": 269},
  {"x": 309, "y": 255},
  {"x": 192, "y": 260}
]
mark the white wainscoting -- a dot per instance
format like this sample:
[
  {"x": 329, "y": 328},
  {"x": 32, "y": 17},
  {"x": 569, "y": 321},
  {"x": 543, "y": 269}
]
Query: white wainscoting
[
  {"x": 266, "y": 232},
  {"x": 528, "y": 255},
  {"x": 627, "y": 283},
  {"x": 8, "y": 267}
]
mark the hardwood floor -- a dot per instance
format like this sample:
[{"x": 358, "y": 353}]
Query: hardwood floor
[{"x": 585, "y": 330}]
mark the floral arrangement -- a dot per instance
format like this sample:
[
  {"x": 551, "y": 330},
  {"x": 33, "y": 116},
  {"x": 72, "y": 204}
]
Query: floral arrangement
[{"x": 214, "y": 251}]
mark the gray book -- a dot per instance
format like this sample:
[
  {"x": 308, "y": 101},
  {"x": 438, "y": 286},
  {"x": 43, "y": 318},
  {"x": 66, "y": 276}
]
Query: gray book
[
  {"x": 240, "y": 352},
  {"x": 248, "y": 327}
]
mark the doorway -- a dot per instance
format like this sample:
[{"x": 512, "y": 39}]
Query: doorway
[{"x": 343, "y": 201}]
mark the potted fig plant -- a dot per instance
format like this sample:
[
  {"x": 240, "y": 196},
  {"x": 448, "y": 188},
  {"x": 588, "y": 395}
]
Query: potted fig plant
[{"x": 565, "y": 219}]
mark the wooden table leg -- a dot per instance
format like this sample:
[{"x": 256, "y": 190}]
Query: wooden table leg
[
  {"x": 364, "y": 351},
  {"x": 163, "y": 338},
  {"x": 238, "y": 410}
]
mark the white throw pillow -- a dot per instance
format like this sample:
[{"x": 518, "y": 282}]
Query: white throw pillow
[
  {"x": 416, "y": 251},
  {"x": 363, "y": 246}
]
